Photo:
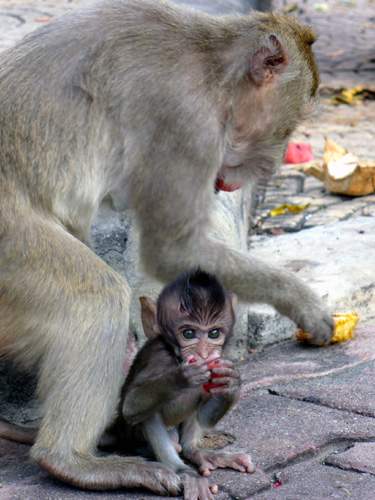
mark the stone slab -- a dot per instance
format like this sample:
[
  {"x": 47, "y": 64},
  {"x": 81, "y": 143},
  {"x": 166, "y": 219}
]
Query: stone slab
[
  {"x": 360, "y": 458},
  {"x": 292, "y": 362},
  {"x": 314, "y": 481},
  {"x": 20, "y": 480},
  {"x": 278, "y": 431},
  {"x": 234, "y": 485},
  {"x": 275, "y": 430},
  {"x": 336, "y": 260},
  {"x": 351, "y": 390}
]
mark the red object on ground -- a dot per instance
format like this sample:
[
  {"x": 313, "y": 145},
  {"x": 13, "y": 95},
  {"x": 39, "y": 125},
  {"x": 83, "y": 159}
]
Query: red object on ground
[
  {"x": 277, "y": 484},
  {"x": 221, "y": 186},
  {"x": 298, "y": 152}
]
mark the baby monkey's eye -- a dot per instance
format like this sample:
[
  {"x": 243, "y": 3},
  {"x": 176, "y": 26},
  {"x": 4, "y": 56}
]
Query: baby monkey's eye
[
  {"x": 188, "y": 334},
  {"x": 214, "y": 334}
]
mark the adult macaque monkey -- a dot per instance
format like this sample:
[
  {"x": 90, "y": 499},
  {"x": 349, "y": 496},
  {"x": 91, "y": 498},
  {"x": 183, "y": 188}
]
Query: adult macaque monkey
[
  {"x": 152, "y": 104},
  {"x": 169, "y": 385}
]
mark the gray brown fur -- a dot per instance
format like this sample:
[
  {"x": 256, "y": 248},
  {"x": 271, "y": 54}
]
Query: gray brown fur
[{"x": 144, "y": 102}]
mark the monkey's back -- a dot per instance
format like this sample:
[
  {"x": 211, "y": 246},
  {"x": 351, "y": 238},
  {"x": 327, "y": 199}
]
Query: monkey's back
[{"x": 77, "y": 94}]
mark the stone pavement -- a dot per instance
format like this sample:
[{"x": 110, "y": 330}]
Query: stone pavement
[{"x": 306, "y": 415}]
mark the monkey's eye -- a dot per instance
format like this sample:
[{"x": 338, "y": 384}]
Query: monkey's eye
[
  {"x": 214, "y": 334},
  {"x": 188, "y": 334}
]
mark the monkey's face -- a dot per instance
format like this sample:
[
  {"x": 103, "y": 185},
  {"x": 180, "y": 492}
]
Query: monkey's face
[
  {"x": 278, "y": 91},
  {"x": 203, "y": 338},
  {"x": 200, "y": 342}
]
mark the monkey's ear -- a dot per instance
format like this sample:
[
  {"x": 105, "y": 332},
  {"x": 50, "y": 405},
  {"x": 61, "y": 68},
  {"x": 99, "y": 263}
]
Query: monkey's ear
[
  {"x": 234, "y": 300},
  {"x": 148, "y": 316},
  {"x": 268, "y": 61}
]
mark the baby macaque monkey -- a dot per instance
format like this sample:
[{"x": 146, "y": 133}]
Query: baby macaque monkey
[{"x": 179, "y": 384}]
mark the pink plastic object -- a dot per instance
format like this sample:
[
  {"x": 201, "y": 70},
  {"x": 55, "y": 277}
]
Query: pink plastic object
[{"x": 298, "y": 152}]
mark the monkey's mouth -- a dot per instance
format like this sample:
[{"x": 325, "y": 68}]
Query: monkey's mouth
[{"x": 221, "y": 185}]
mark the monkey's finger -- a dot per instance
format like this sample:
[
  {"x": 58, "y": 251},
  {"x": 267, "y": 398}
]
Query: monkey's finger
[
  {"x": 223, "y": 380},
  {"x": 246, "y": 461},
  {"x": 226, "y": 363},
  {"x": 242, "y": 463},
  {"x": 226, "y": 372},
  {"x": 221, "y": 390},
  {"x": 238, "y": 466},
  {"x": 206, "y": 467},
  {"x": 212, "y": 357},
  {"x": 202, "y": 376},
  {"x": 214, "y": 489},
  {"x": 237, "y": 461}
]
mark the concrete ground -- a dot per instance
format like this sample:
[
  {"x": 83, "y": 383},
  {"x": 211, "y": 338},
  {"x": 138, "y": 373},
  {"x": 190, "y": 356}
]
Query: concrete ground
[{"x": 307, "y": 415}]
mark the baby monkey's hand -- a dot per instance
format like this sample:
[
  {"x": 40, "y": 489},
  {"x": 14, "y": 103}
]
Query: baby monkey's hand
[
  {"x": 196, "y": 371},
  {"x": 225, "y": 378}
]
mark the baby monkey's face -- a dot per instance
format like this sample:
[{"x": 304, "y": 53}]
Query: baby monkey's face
[{"x": 203, "y": 339}]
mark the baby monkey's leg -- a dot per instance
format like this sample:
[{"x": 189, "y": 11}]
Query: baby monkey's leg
[
  {"x": 207, "y": 460},
  {"x": 162, "y": 443},
  {"x": 164, "y": 447},
  {"x": 175, "y": 438}
]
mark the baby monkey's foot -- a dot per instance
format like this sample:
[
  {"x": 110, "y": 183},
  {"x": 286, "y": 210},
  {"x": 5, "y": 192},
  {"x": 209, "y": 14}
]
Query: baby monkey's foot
[{"x": 207, "y": 461}]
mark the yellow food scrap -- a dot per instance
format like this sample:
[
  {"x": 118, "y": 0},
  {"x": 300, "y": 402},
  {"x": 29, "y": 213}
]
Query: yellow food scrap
[
  {"x": 350, "y": 96},
  {"x": 283, "y": 209},
  {"x": 345, "y": 324}
]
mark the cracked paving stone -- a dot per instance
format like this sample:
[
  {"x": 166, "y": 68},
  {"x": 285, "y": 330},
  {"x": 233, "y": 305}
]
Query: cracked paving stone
[
  {"x": 337, "y": 212},
  {"x": 291, "y": 363},
  {"x": 360, "y": 458},
  {"x": 233, "y": 484},
  {"x": 337, "y": 391},
  {"x": 314, "y": 481},
  {"x": 278, "y": 431}
]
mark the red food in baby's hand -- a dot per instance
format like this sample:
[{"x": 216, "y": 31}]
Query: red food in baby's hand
[
  {"x": 210, "y": 385},
  {"x": 213, "y": 364}
]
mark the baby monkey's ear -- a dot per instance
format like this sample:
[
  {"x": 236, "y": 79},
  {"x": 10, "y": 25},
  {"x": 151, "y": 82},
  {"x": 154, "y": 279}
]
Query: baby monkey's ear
[
  {"x": 148, "y": 316},
  {"x": 233, "y": 300}
]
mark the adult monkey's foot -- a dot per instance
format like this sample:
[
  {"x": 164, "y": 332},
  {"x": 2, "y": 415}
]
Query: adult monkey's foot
[{"x": 198, "y": 488}]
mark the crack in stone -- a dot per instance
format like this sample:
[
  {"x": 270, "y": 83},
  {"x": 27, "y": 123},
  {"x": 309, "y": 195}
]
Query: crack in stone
[
  {"x": 315, "y": 401},
  {"x": 248, "y": 387},
  {"x": 321, "y": 452},
  {"x": 350, "y": 469}
]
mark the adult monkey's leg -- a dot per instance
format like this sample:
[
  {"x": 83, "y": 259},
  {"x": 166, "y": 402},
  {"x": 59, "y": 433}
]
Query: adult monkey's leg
[{"x": 62, "y": 307}]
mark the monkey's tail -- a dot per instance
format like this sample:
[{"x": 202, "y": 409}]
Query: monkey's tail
[{"x": 17, "y": 433}]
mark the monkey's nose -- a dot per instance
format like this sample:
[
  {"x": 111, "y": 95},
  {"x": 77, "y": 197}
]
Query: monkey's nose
[{"x": 202, "y": 350}]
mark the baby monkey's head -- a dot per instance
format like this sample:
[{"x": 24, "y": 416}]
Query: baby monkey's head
[{"x": 194, "y": 314}]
